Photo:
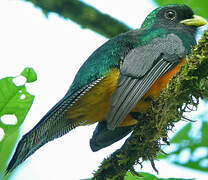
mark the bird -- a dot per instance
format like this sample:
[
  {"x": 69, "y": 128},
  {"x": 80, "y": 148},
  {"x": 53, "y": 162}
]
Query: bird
[{"x": 116, "y": 84}]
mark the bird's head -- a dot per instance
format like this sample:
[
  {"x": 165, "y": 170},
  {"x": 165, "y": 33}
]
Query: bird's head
[{"x": 176, "y": 16}]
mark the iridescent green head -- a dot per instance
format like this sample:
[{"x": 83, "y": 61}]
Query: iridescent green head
[{"x": 173, "y": 15}]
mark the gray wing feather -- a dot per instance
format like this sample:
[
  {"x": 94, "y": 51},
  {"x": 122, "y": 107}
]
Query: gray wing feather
[{"x": 139, "y": 87}]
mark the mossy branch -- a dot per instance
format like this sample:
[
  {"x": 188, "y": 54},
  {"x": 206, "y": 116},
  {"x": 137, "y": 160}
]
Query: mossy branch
[
  {"x": 84, "y": 15},
  {"x": 184, "y": 90}
]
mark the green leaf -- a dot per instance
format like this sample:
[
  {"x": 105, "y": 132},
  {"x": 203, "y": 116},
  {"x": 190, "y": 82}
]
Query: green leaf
[
  {"x": 6, "y": 147},
  {"x": 190, "y": 146},
  {"x": 15, "y": 103},
  {"x": 29, "y": 74},
  {"x": 199, "y": 7}
]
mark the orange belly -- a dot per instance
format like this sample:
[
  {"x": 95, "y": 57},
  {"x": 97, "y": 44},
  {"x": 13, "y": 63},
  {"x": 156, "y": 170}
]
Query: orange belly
[{"x": 93, "y": 106}]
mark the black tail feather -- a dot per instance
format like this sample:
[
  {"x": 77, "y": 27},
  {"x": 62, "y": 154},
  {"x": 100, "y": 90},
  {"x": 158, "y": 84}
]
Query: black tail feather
[
  {"x": 51, "y": 126},
  {"x": 103, "y": 137}
]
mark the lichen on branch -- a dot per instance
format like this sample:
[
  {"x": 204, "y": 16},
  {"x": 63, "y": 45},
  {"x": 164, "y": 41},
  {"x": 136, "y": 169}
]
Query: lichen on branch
[{"x": 183, "y": 92}]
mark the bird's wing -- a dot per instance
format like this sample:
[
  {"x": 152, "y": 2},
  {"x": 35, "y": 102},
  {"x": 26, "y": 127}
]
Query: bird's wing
[{"x": 140, "y": 69}]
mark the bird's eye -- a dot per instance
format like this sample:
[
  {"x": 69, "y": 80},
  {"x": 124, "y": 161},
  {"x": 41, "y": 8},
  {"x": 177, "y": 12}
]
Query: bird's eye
[{"x": 170, "y": 14}]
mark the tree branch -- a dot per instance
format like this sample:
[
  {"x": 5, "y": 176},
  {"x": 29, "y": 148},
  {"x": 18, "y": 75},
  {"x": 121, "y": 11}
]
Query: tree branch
[
  {"x": 152, "y": 129},
  {"x": 84, "y": 15}
]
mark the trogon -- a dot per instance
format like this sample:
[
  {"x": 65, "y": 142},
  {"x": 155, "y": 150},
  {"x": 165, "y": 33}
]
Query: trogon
[{"x": 116, "y": 83}]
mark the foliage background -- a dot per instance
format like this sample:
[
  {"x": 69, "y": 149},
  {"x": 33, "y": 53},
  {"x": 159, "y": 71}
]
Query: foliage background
[{"x": 56, "y": 48}]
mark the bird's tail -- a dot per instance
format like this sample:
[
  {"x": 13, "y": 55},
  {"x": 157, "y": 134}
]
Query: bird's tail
[{"x": 51, "y": 126}]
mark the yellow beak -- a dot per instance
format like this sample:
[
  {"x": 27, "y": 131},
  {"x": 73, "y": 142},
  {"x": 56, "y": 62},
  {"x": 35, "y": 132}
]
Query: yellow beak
[{"x": 195, "y": 21}]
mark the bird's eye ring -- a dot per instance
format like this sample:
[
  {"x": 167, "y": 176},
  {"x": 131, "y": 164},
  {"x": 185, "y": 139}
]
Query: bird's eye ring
[{"x": 170, "y": 14}]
